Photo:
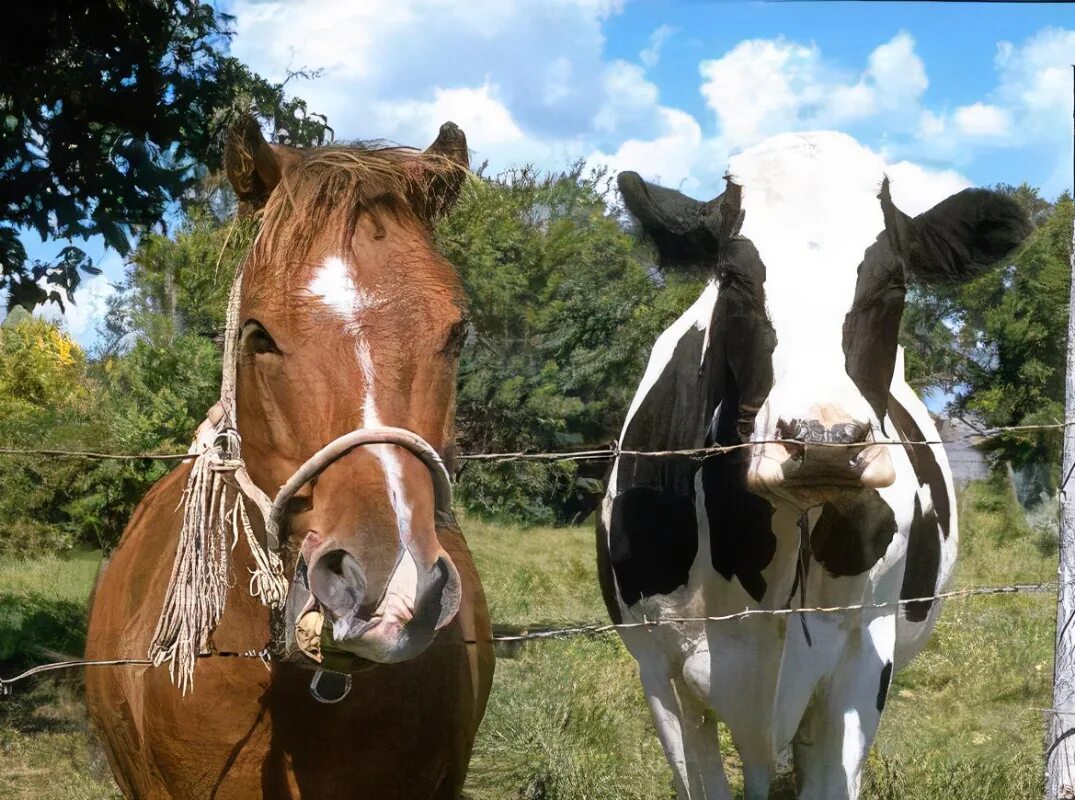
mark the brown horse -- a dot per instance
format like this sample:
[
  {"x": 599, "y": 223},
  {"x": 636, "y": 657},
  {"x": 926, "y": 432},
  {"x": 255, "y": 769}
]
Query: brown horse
[{"x": 349, "y": 319}]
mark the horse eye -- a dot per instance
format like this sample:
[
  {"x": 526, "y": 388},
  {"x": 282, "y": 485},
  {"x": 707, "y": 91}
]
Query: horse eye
[{"x": 255, "y": 339}]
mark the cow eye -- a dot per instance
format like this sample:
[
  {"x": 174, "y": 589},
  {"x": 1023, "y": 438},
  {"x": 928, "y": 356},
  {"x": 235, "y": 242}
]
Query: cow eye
[{"x": 255, "y": 340}]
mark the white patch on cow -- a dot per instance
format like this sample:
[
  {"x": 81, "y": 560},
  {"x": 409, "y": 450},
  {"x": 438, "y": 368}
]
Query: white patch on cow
[
  {"x": 334, "y": 284},
  {"x": 911, "y": 637},
  {"x": 811, "y": 210},
  {"x": 854, "y": 747},
  {"x": 698, "y": 316}
]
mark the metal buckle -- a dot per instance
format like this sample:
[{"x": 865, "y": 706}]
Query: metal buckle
[{"x": 330, "y": 687}]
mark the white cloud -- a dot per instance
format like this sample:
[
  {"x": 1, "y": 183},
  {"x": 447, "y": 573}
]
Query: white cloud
[
  {"x": 760, "y": 86},
  {"x": 930, "y": 124},
  {"x": 651, "y": 54},
  {"x": 1028, "y": 112},
  {"x": 980, "y": 119},
  {"x": 629, "y": 96},
  {"x": 896, "y": 73},
  {"x": 82, "y": 316},
  {"x": 671, "y": 157},
  {"x": 765, "y": 86},
  {"x": 1036, "y": 77},
  {"x": 916, "y": 189},
  {"x": 383, "y": 59},
  {"x": 473, "y": 109}
]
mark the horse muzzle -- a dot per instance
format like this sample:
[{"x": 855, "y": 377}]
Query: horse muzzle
[
  {"x": 420, "y": 597},
  {"x": 328, "y": 614}
]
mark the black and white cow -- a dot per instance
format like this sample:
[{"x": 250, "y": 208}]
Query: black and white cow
[{"x": 792, "y": 344}]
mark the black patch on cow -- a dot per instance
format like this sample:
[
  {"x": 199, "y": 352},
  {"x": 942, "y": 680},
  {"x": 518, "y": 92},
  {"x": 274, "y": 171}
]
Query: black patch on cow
[
  {"x": 742, "y": 543},
  {"x": 654, "y": 536},
  {"x": 655, "y": 543},
  {"x": 882, "y": 689},
  {"x": 604, "y": 574},
  {"x": 654, "y": 528},
  {"x": 923, "y": 461},
  {"x": 872, "y": 325},
  {"x": 741, "y": 538},
  {"x": 849, "y": 538},
  {"x": 688, "y": 233},
  {"x": 923, "y": 563},
  {"x": 949, "y": 243}
]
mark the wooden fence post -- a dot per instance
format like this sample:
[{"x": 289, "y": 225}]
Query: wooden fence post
[{"x": 1060, "y": 742}]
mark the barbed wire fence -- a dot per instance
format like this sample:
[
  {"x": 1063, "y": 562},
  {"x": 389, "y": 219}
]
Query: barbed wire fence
[{"x": 516, "y": 635}]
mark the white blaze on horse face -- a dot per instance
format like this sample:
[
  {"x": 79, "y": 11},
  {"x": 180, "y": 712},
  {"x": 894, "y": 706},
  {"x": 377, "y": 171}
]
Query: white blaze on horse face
[
  {"x": 336, "y": 287},
  {"x": 811, "y": 210},
  {"x": 386, "y": 454}
]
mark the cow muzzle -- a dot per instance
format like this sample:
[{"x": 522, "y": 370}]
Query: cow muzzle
[{"x": 808, "y": 463}]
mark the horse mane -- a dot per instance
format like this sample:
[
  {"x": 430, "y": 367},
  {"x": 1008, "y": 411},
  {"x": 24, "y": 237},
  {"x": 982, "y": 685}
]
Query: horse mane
[{"x": 337, "y": 184}]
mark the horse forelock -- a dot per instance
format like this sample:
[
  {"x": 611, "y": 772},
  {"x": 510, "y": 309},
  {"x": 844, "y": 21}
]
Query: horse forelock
[{"x": 328, "y": 190}]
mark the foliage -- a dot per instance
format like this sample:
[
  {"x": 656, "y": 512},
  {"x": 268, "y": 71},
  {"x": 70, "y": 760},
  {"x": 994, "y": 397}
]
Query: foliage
[
  {"x": 156, "y": 396},
  {"x": 184, "y": 279},
  {"x": 148, "y": 395},
  {"x": 564, "y": 308},
  {"x": 108, "y": 114},
  {"x": 999, "y": 341},
  {"x": 45, "y": 397}
]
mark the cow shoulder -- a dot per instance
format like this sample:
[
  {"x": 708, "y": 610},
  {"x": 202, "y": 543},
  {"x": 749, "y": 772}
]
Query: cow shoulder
[{"x": 653, "y": 533}]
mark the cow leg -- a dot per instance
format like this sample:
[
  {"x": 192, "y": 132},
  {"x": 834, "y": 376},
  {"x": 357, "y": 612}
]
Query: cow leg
[
  {"x": 839, "y": 726},
  {"x": 736, "y": 678},
  {"x": 689, "y": 737}
]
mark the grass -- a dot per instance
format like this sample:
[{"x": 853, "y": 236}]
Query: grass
[{"x": 567, "y": 719}]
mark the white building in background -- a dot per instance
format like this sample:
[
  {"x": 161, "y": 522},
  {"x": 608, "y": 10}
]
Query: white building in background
[{"x": 960, "y": 443}]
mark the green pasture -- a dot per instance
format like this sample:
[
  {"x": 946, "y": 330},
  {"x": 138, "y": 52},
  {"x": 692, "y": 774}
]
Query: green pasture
[{"x": 567, "y": 719}]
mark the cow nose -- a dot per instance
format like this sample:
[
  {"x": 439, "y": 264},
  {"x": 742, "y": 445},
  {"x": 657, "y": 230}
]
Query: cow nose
[
  {"x": 818, "y": 460},
  {"x": 338, "y": 582},
  {"x": 812, "y": 431}
]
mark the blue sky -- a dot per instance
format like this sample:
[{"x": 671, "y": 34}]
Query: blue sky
[{"x": 948, "y": 94}]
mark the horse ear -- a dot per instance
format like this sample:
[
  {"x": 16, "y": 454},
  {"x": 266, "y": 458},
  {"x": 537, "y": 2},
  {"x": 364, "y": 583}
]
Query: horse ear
[
  {"x": 687, "y": 232},
  {"x": 444, "y": 167},
  {"x": 254, "y": 166},
  {"x": 958, "y": 237}
]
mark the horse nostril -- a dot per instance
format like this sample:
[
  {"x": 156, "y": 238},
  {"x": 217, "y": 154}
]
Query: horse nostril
[{"x": 338, "y": 582}]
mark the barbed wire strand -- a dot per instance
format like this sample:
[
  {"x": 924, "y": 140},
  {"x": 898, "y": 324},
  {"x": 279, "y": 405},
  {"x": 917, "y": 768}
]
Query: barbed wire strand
[
  {"x": 587, "y": 631},
  {"x": 611, "y": 450}
]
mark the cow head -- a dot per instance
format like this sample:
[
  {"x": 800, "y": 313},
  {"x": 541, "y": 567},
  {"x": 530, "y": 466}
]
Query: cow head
[{"x": 812, "y": 260}]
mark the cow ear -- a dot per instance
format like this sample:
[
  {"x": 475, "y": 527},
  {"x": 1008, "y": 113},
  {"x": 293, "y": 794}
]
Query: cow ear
[
  {"x": 254, "y": 167},
  {"x": 687, "y": 232},
  {"x": 958, "y": 237}
]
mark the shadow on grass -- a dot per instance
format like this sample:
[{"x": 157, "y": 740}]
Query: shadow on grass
[
  {"x": 33, "y": 627},
  {"x": 34, "y": 630}
]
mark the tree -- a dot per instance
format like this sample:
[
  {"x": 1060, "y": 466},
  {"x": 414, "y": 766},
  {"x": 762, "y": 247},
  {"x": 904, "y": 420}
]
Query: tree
[
  {"x": 998, "y": 341},
  {"x": 564, "y": 308},
  {"x": 46, "y": 397},
  {"x": 108, "y": 113}
]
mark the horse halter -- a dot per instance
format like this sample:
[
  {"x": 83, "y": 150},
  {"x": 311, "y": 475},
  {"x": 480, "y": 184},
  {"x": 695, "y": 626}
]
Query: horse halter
[{"x": 283, "y": 644}]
